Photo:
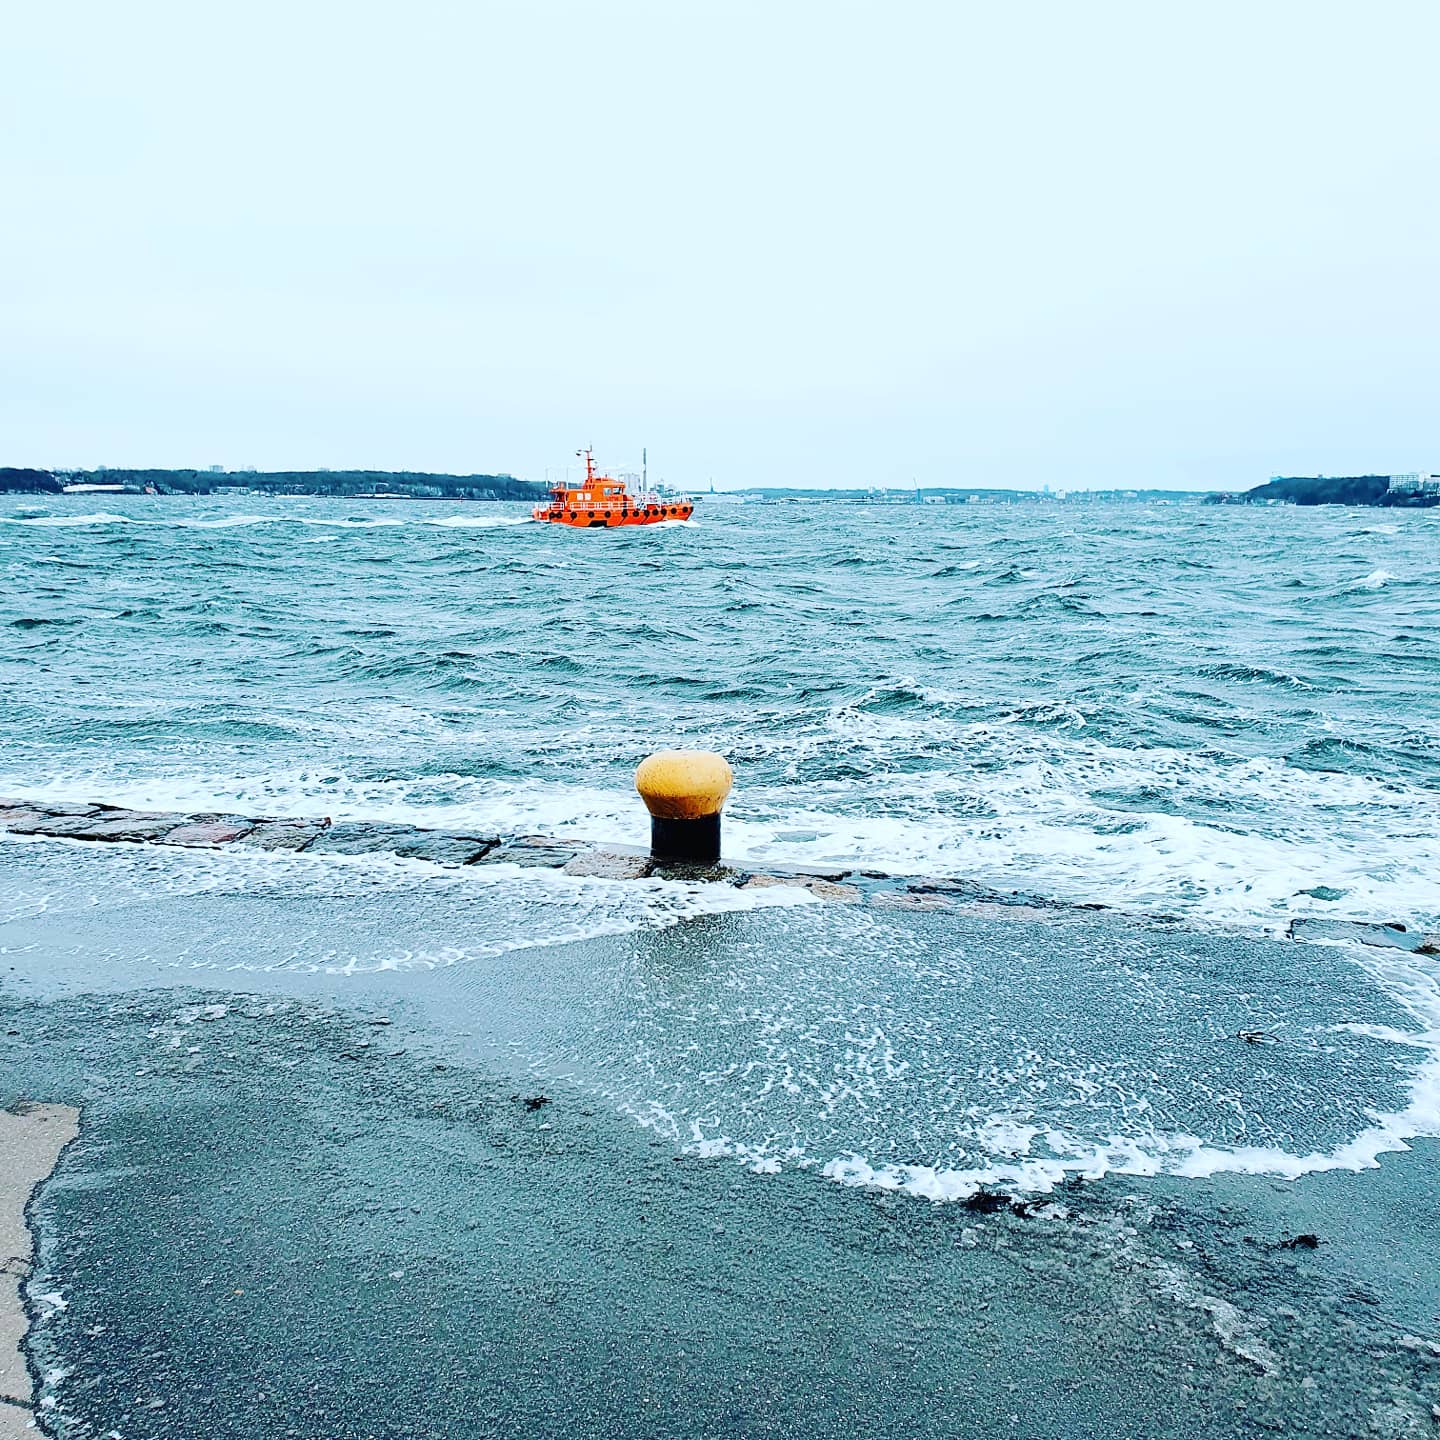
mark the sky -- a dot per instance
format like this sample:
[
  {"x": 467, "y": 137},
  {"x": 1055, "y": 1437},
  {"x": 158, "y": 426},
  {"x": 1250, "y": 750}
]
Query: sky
[{"x": 784, "y": 243}]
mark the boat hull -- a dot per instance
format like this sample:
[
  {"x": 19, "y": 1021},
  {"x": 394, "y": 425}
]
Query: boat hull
[{"x": 582, "y": 518}]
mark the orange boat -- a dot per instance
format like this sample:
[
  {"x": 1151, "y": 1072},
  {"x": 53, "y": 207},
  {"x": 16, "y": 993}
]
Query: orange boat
[{"x": 605, "y": 502}]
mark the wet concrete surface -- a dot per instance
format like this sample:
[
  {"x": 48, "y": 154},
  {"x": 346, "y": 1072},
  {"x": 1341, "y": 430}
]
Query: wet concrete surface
[
  {"x": 295, "y": 1223},
  {"x": 313, "y": 1206}
]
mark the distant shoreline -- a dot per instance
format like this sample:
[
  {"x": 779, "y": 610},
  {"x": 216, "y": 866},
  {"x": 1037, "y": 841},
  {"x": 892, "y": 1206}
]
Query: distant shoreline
[
  {"x": 424, "y": 485},
  {"x": 1376, "y": 490},
  {"x": 343, "y": 484},
  {"x": 1363, "y": 490}
]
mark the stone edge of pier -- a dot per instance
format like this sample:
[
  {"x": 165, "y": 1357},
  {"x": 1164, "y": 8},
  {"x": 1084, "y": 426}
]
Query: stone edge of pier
[
  {"x": 32, "y": 1139},
  {"x": 836, "y": 884}
]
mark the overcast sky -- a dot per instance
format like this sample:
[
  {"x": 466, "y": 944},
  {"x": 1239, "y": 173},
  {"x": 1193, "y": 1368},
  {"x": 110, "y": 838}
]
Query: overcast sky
[{"x": 824, "y": 243}]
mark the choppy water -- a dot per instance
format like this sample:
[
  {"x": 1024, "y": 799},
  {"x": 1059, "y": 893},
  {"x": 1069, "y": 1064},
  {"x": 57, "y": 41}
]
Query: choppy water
[
  {"x": 1225, "y": 714},
  {"x": 1196, "y": 711}
]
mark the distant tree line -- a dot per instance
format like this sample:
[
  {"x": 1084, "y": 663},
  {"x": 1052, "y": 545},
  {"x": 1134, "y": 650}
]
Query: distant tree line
[
  {"x": 419, "y": 484},
  {"x": 27, "y": 481},
  {"x": 1324, "y": 490}
]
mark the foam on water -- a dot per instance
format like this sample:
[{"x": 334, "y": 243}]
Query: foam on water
[
  {"x": 101, "y": 517},
  {"x": 935, "y": 1067},
  {"x": 342, "y": 915},
  {"x": 925, "y": 1054},
  {"x": 1020, "y": 807},
  {"x": 480, "y": 522}
]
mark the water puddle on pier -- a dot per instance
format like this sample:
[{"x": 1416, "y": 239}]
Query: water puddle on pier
[{"x": 926, "y": 1052}]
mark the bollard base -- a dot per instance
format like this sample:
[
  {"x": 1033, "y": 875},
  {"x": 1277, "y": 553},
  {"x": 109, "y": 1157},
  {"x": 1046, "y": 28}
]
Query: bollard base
[{"x": 697, "y": 842}]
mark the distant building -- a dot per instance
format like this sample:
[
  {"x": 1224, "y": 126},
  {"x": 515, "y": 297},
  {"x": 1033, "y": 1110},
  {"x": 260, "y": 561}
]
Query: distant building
[
  {"x": 92, "y": 489},
  {"x": 1414, "y": 482}
]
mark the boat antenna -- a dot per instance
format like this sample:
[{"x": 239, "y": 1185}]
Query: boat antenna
[{"x": 644, "y": 468}]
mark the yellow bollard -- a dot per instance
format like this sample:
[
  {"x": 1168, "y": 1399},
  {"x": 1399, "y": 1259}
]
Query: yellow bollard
[{"x": 684, "y": 791}]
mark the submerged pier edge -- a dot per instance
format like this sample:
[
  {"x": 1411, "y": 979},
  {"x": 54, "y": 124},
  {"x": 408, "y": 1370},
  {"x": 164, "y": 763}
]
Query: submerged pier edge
[{"x": 836, "y": 884}]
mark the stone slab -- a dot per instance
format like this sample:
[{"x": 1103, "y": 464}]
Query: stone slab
[
  {"x": 838, "y": 894},
  {"x": 445, "y": 847},
  {"x": 537, "y": 850},
  {"x": 215, "y": 832},
  {"x": 282, "y": 835},
  {"x": 809, "y": 872},
  {"x": 357, "y": 837},
  {"x": 610, "y": 865},
  {"x": 137, "y": 826},
  {"x": 75, "y": 826},
  {"x": 950, "y": 885},
  {"x": 176, "y": 817},
  {"x": 804, "y": 880},
  {"x": 441, "y": 847},
  {"x": 23, "y": 822},
  {"x": 907, "y": 900},
  {"x": 103, "y": 825}
]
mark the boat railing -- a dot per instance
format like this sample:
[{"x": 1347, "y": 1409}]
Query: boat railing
[{"x": 563, "y": 498}]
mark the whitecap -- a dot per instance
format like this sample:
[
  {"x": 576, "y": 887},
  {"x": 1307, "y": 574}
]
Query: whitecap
[
  {"x": 479, "y": 522},
  {"x": 221, "y": 522},
  {"x": 1375, "y": 580},
  {"x": 373, "y": 522},
  {"x": 1024, "y": 804},
  {"x": 100, "y": 517}
]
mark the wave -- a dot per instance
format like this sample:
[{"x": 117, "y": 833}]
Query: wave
[
  {"x": 1250, "y": 674},
  {"x": 1150, "y": 830},
  {"x": 517, "y": 907},
  {"x": 1375, "y": 580},
  {"x": 1185, "y": 1155},
  {"x": 100, "y": 517},
  {"x": 478, "y": 522},
  {"x": 874, "y": 1076}
]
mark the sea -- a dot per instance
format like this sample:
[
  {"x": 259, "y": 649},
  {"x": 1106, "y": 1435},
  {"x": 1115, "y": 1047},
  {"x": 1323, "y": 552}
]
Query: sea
[{"x": 1211, "y": 718}]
